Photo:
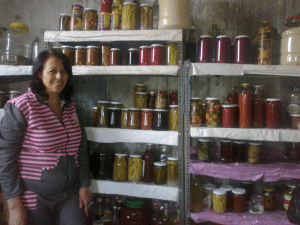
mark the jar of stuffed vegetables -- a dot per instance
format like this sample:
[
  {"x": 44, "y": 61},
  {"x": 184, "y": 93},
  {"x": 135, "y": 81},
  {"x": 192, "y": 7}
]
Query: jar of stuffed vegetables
[
  {"x": 120, "y": 168},
  {"x": 173, "y": 117},
  {"x": 196, "y": 112},
  {"x": 212, "y": 112}
]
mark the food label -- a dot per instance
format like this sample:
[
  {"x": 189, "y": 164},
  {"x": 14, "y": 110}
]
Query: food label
[
  {"x": 287, "y": 199},
  {"x": 115, "y": 21},
  {"x": 104, "y": 21}
]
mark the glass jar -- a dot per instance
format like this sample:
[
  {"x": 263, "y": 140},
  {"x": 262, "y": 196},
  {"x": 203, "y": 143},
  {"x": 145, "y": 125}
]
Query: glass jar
[
  {"x": 13, "y": 94},
  {"x": 203, "y": 149},
  {"x": 133, "y": 57},
  {"x": 254, "y": 152},
  {"x": 293, "y": 102},
  {"x": 172, "y": 53},
  {"x": 205, "y": 44},
  {"x": 105, "y": 160},
  {"x": 124, "y": 116},
  {"x": 161, "y": 100},
  {"x": 133, "y": 119},
  {"x": 148, "y": 164},
  {"x": 104, "y": 16},
  {"x": 140, "y": 100},
  {"x": 247, "y": 185},
  {"x": 196, "y": 112},
  {"x": 76, "y": 17},
  {"x": 115, "y": 56},
  {"x": 105, "y": 53},
  {"x": 208, "y": 195},
  {"x": 239, "y": 201},
  {"x": 219, "y": 201},
  {"x": 92, "y": 55},
  {"x": 256, "y": 204},
  {"x": 196, "y": 197},
  {"x": 64, "y": 22},
  {"x": 226, "y": 151},
  {"x": 269, "y": 196},
  {"x": 113, "y": 117},
  {"x": 129, "y": 16},
  {"x": 291, "y": 150},
  {"x": 102, "y": 113},
  {"x": 223, "y": 45},
  {"x": 146, "y": 17},
  {"x": 172, "y": 171},
  {"x": 144, "y": 55},
  {"x": 94, "y": 116},
  {"x": 232, "y": 97},
  {"x": 288, "y": 193},
  {"x": 106, "y": 220},
  {"x": 259, "y": 106},
  {"x": 173, "y": 97},
  {"x": 160, "y": 119},
  {"x": 213, "y": 112},
  {"x": 120, "y": 169},
  {"x": 69, "y": 52},
  {"x": 138, "y": 88},
  {"x": 242, "y": 49},
  {"x": 146, "y": 119},
  {"x": 80, "y": 56},
  {"x": 229, "y": 195},
  {"x": 116, "y": 15},
  {"x": 229, "y": 115},
  {"x": 160, "y": 173},
  {"x": 173, "y": 117},
  {"x": 245, "y": 106},
  {"x": 135, "y": 168},
  {"x": 239, "y": 151},
  {"x": 90, "y": 19},
  {"x": 273, "y": 113},
  {"x": 164, "y": 153},
  {"x": 295, "y": 121},
  {"x": 57, "y": 48},
  {"x": 151, "y": 99},
  {"x": 157, "y": 55},
  {"x": 116, "y": 104}
]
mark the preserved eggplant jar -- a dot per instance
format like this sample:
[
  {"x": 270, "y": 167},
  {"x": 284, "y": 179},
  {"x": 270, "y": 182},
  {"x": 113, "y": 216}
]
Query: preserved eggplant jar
[
  {"x": 173, "y": 117},
  {"x": 69, "y": 52},
  {"x": 90, "y": 19},
  {"x": 205, "y": 46},
  {"x": 120, "y": 168},
  {"x": 124, "y": 116},
  {"x": 203, "y": 149},
  {"x": 146, "y": 119},
  {"x": 135, "y": 168},
  {"x": 129, "y": 16},
  {"x": 213, "y": 112},
  {"x": 196, "y": 112},
  {"x": 133, "y": 120},
  {"x": 223, "y": 46},
  {"x": 105, "y": 53},
  {"x": 80, "y": 56},
  {"x": 92, "y": 55},
  {"x": 157, "y": 55},
  {"x": 113, "y": 117},
  {"x": 226, "y": 151},
  {"x": 64, "y": 22},
  {"x": 133, "y": 57},
  {"x": 115, "y": 56},
  {"x": 160, "y": 119},
  {"x": 144, "y": 55},
  {"x": 102, "y": 113},
  {"x": 273, "y": 113},
  {"x": 146, "y": 17},
  {"x": 172, "y": 53}
]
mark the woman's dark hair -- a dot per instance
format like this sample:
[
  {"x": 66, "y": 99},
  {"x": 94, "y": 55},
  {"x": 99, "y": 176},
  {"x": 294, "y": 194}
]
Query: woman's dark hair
[{"x": 37, "y": 86}]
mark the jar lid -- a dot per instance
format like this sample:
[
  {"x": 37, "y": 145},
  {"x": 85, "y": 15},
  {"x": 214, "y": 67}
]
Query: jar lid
[
  {"x": 291, "y": 185},
  {"x": 226, "y": 187},
  {"x": 247, "y": 182},
  {"x": 203, "y": 140},
  {"x": 142, "y": 5},
  {"x": 90, "y": 9},
  {"x": 121, "y": 154},
  {"x": 172, "y": 158},
  {"x": 158, "y": 45},
  {"x": 269, "y": 189},
  {"x": 173, "y": 106},
  {"x": 150, "y": 144},
  {"x": 205, "y": 36},
  {"x": 124, "y": 109},
  {"x": 242, "y": 36},
  {"x": 62, "y": 14},
  {"x": 160, "y": 110},
  {"x": 239, "y": 142},
  {"x": 106, "y": 219},
  {"x": 114, "y": 108},
  {"x": 222, "y": 36},
  {"x": 245, "y": 84},
  {"x": 229, "y": 105},
  {"x": 147, "y": 110},
  {"x": 92, "y": 46},
  {"x": 211, "y": 99},
  {"x": 259, "y": 85},
  {"x": 67, "y": 46},
  {"x": 134, "y": 109},
  {"x": 239, "y": 191},
  {"x": 160, "y": 164},
  {"x": 17, "y": 92},
  {"x": 273, "y": 99},
  {"x": 19, "y": 25},
  {"x": 144, "y": 46},
  {"x": 80, "y": 47},
  {"x": 135, "y": 156},
  {"x": 140, "y": 85},
  {"x": 97, "y": 222},
  {"x": 133, "y": 49},
  {"x": 140, "y": 93},
  {"x": 104, "y": 102},
  {"x": 115, "y": 49},
  {"x": 219, "y": 192},
  {"x": 226, "y": 141},
  {"x": 295, "y": 115},
  {"x": 255, "y": 143},
  {"x": 196, "y": 98},
  {"x": 116, "y": 103},
  {"x": 209, "y": 186},
  {"x": 131, "y": 3},
  {"x": 94, "y": 107}
]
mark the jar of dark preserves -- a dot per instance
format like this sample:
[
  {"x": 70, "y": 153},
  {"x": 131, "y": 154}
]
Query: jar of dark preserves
[
  {"x": 247, "y": 185},
  {"x": 113, "y": 117},
  {"x": 105, "y": 53},
  {"x": 239, "y": 200},
  {"x": 160, "y": 119},
  {"x": 229, "y": 115},
  {"x": 148, "y": 163},
  {"x": 92, "y": 55},
  {"x": 239, "y": 151},
  {"x": 223, "y": 45},
  {"x": 133, "y": 57},
  {"x": 273, "y": 113},
  {"x": 105, "y": 156},
  {"x": 157, "y": 54},
  {"x": 226, "y": 151},
  {"x": 80, "y": 56},
  {"x": 242, "y": 49},
  {"x": 269, "y": 196},
  {"x": 115, "y": 56},
  {"x": 144, "y": 55},
  {"x": 205, "y": 49},
  {"x": 229, "y": 195},
  {"x": 173, "y": 97},
  {"x": 94, "y": 116}
]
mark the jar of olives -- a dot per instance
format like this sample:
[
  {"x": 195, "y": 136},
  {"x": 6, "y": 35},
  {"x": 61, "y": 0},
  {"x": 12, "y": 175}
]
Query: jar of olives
[
  {"x": 102, "y": 112},
  {"x": 196, "y": 112},
  {"x": 212, "y": 112},
  {"x": 173, "y": 117}
]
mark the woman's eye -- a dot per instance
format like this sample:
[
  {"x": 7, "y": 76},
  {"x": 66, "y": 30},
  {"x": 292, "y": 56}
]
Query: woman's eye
[{"x": 52, "y": 71}]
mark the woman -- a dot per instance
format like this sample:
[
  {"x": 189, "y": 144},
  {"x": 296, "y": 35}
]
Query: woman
[{"x": 43, "y": 155}]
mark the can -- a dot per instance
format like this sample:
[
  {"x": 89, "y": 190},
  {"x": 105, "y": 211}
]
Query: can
[{"x": 76, "y": 17}]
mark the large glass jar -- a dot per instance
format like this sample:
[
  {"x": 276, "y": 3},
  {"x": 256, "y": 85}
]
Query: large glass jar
[
  {"x": 239, "y": 201},
  {"x": 146, "y": 17},
  {"x": 135, "y": 211},
  {"x": 135, "y": 168},
  {"x": 129, "y": 16},
  {"x": 219, "y": 201},
  {"x": 213, "y": 112},
  {"x": 239, "y": 151},
  {"x": 146, "y": 119},
  {"x": 245, "y": 106},
  {"x": 288, "y": 193},
  {"x": 205, "y": 49},
  {"x": 208, "y": 195},
  {"x": 196, "y": 112},
  {"x": 259, "y": 106},
  {"x": 173, "y": 117},
  {"x": 102, "y": 113},
  {"x": 173, "y": 97},
  {"x": 80, "y": 56},
  {"x": 124, "y": 117},
  {"x": 105, "y": 53},
  {"x": 120, "y": 169},
  {"x": 160, "y": 119},
  {"x": 138, "y": 88},
  {"x": 229, "y": 115},
  {"x": 140, "y": 100},
  {"x": 254, "y": 152},
  {"x": 76, "y": 17},
  {"x": 226, "y": 151},
  {"x": 223, "y": 44},
  {"x": 148, "y": 163},
  {"x": 133, "y": 119},
  {"x": 232, "y": 97},
  {"x": 229, "y": 195},
  {"x": 144, "y": 59},
  {"x": 105, "y": 160},
  {"x": 204, "y": 149},
  {"x": 242, "y": 49},
  {"x": 116, "y": 15},
  {"x": 273, "y": 113},
  {"x": 172, "y": 171},
  {"x": 64, "y": 22},
  {"x": 160, "y": 173},
  {"x": 269, "y": 196},
  {"x": 161, "y": 100},
  {"x": 115, "y": 56},
  {"x": 196, "y": 198},
  {"x": 172, "y": 53},
  {"x": 92, "y": 55},
  {"x": 113, "y": 117}
]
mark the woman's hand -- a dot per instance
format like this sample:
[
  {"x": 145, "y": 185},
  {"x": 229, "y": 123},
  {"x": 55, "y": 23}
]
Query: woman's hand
[
  {"x": 17, "y": 213},
  {"x": 84, "y": 199}
]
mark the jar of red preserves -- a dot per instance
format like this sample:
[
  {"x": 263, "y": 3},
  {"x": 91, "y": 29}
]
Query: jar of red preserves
[
  {"x": 146, "y": 119},
  {"x": 133, "y": 56},
  {"x": 144, "y": 55},
  {"x": 229, "y": 115},
  {"x": 173, "y": 97},
  {"x": 245, "y": 106},
  {"x": 239, "y": 200},
  {"x": 242, "y": 49},
  {"x": 223, "y": 45},
  {"x": 226, "y": 151},
  {"x": 148, "y": 163},
  {"x": 157, "y": 55},
  {"x": 259, "y": 106},
  {"x": 205, "y": 44},
  {"x": 273, "y": 113},
  {"x": 232, "y": 97},
  {"x": 115, "y": 56}
]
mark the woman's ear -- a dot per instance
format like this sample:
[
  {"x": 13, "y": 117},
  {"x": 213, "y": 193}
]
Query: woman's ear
[{"x": 40, "y": 75}]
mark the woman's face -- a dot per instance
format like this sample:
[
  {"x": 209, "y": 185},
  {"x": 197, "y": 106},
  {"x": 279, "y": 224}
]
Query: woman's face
[{"x": 54, "y": 76}]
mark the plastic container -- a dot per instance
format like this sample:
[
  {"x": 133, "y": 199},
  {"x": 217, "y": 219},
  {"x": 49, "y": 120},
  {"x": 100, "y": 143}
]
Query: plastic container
[
  {"x": 239, "y": 200},
  {"x": 226, "y": 151},
  {"x": 90, "y": 19},
  {"x": 213, "y": 112},
  {"x": 254, "y": 152},
  {"x": 205, "y": 45},
  {"x": 129, "y": 16},
  {"x": 146, "y": 17},
  {"x": 115, "y": 56},
  {"x": 133, "y": 120},
  {"x": 223, "y": 45},
  {"x": 105, "y": 53},
  {"x": 172, "y": 53},
  {"x": 120, "y": 169},
  {"x": 92, "y": 55},
  {"x": 69, "y": 51},
  {"x": 76, "y": 17},
  {"x": 64, "y": 22},
  {"x": 173, "y": 117},
  {"x": 160, "y": 173},
  {"x": 273, "y": 113},
  {"x": 135, "y": 168},
  {"x": 102, "y": 113},
  {"x": 114, "y": 114},
  {"x": 124, "y": 117},
  {"x": 229, "y": 115},
  {"x": 80, "y": 56},
  {"x": 146, "y": 119},
  {"x": 242, "y": 49},
  {"x": 290, "y": 47},
  {"x": 157, "y": 55},
  {"x": 219, "y": 201},
  {"x": 196, "y": 112},
  {"x": 133, "y": 57},
  {"x": 172, "y": 171},
  {"x": 203, "y": 149},
  {"x": 144, "y": 55},
  {"x": 160, "y": 119}
]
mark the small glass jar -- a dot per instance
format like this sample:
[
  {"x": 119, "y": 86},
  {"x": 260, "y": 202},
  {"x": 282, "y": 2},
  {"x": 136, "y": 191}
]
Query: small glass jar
[
  {"x": 76, "y": 17},
  {"x": 273, "y": 113},
  {"x": 133, "y": 57},
  {"x": 173, "y": 117},
  {"x": 116, "y": 104},
  {"x": 213, "y": 112},
  {"x": 105, "y": 53},
  {"x": 124, "y": 116},
  {"x": 161, "y": 100},
  {"x": 64, "y": 22},
  {"x": 160, "y": 173},
  {"x": 157, "y": 55},
  {"x": 146, "y": 17},
  {"x": 173, "y": 97},
  {"x": 114, "y": 117},
  {"x": 295, "y": 119},
  {"x": 239, "y": 151},
  {"x": 269, "y": 196},
  {"x": 203, "y": 149},
  {"x": 205, "y": 46},
  {"x": 102, "y": 112},
  {"x": 196, "y": 112},
  {"x": 90, "y": 19},
  {"x": 219, "y": 201},
  {"x": 254, "y": 152},
  {"x": 115, "y": 56},
  {"x": 129, "y": 11},
  {"x": 256, "y": 204},
  {"x": 229, "y": 115},
  {"x": 140, "y": 100},
  {"x": 288, "y": 195},
  {"x": 146, "y": 119},
  {"x": 242, "y": 49},
  {"x": 80, "y": 56},
  {"x": 172, "y": 171},
  {"x": 226, "y": 151},
  {"x": 164, "y": 153},
  {"x": 151, "y": 99},
  {"x": 208, "y": 195},
  {"x": 144, "y": 55},
  {"x": 247, "y": 185},
  {"x": 172, "y": 53},
  {"x": 13, "y": 94},
  {"x": 160, "y": 119},
  {"x": 69, "y": 52},
  {"x": 223, "y": 46},
  {"x": 138, "y": 88},
  {"x": 229, "y": 195},
  {"x": 94, "y": 116},
  {"x": 291, "y": 150},
  {"x": 120, "y": 169},
  {"x": 133, "y": 120},
  {"x": 135, "y": 168},
  {"x": 239, "y": 200},
  {"x": 92, "y": 55}
]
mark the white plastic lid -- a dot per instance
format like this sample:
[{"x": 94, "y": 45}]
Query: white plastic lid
[
  {"x": 17, "y": 92},
  {"x": 80, "y": 47},
  {"x": 222, "y": 36},
  {"x": 230, "y": 106},
  {"x": 144, "y": 46},
  {"x": 158, "y": 45},
  {"x": 134, "y": 109},
  {"x": 114, "y": 108},
  {"x": 172, "y": 158},
  {"x": 115, "y": 49},
  {"x": 94, "y": 107},
  {"x": 147, "y": 110},
  {"x": 239, "y": 191},
  {"x": 212, "y": 99},
  {"x": 142, "y": 85},
  {"x": 141, "y": 93},
  {"x": 196, "y": 98},
  {"x": 273, "y": 99},
  {"x": 226, "y": 141},
  {"x": 160, "y": 110},
  {"x": 135, "y": 156},
  {"x": 116, "y": 103},
  {"x": 203, "y": 140},
  {"x": 291, "y": 185},
  {"x": 226, "y": 187},
  {"x": 242, "y": 36},
  {"x": 124, "y": 109},
  {"x": 67, "y": 46},
  {"x": 131, "y": 3},
  {"x": 173, "y": 106},
  {"x": 295, "y": 115},
  {"x": 133, "y": 49},
  {"x": 160, "y": 164},
  {"x": 219, "y": 192},
  {"x": 254, "y": 143},
  {"x": 209, "y": 186},
  {"x": 205, "y": 36},
  {"x": 142, "y": 5},
  {"x": 121, "y": 154},
  {"x": 103, "y": 102},
  {"x": 92, "y": 46},
  {"x": 239, "y": 142}
]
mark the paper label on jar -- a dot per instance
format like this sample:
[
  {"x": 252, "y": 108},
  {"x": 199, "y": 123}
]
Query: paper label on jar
[
  {"x": 115, "y": 21},
  {"x": 293, "y": 108},
  {"x": 104, "y": 21}
]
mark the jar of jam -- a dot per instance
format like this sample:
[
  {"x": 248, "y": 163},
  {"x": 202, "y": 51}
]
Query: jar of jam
[
  {"x": 124, "y": 116},
  {"x": 129, "y": 16},
  {"x": 133, "y": 57},
  {"x": 213, "y": 112},
  {"x": 133, "y": 119},
  {"x": 173, "y": 97},
  {"x": 242, "y": 49},
  {"x": 105, "y": 53},
  {"x": 94, "y": 116},
  {"x": 115, "y": 56},
  {"x": 102, "y": 113},
  {"x": 229, "y": 115},
  {"x": 64, "y": 22},
  {"x": 90, "y": 19},
  {"x": 120, "y": 168},
  {"x": 245, "y": 106},
  {"x": 239, "y": 151},
  {"x": 80, "y": 56},
  {"x": 144, "y": 55},
  {"x": 161, "y": 100},
  {"x": 146, "y": 17},
  {"x": 140, "y": 100},
  {"x": 226, "y": 151},
  {"x": 160, "y": 173},
  {"x": 135, "y": 168},
  {"x": 223, "y": 45},
  {"x": 160, "y": 119},
  {"x": 256, "y": 204},
  {"x": 157, "y": 55},
  {"x": 172, "y": 53},
  {"x": 173, "y": 117},
  {"x": 116, "y": 104},
  {"x": 288, "y": 195},
  {"x": 138, "y": 88},
  {"x": 208, "y": 195},
  {"x": 273, "y": 113},
  {"x": 254, "y": 152},
  {"x": 219, "y": 201},
  {"x": 196, "y": 112},
  {"x": 247, "y": 185},
  {"x": 172, "y": 171},
  {"x": 205, "y": 45},
  {"x": 232, "y": 97},
  {"x": 269, "y": 196},
  {"x": 92, "y": 55},
  {"x": 105, "y": 161},
  {"x": 113, "y": 117},
  {"x": 148, "y": 163},
  {"x": 76, "y": 17},
  {"x": 229, "y": 195},
  {"x": 259, "y": 106},
  {"x": 69, "y": 52},
  {"x": 203, "y": 149},
  {"x": 239, "y": 200},
  {"x": 146, "y": 119},
  {"x": 151, "y": 99}
]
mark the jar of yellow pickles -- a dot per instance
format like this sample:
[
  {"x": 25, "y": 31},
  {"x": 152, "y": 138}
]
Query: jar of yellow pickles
[
  {"x": 138, "y": 88},
  {"x": 102, "y": 113},
  {"x": 219, "y": 201},
  {"x": 129, "y": 16},
  {"x": 172, "y": 53},
  {"x": 146, "y": 17},
  {"x": 173, "y": 117},
  {"x": 160, "y": 173},
  {"x": 140, "y": 100},
  {"x": 124, "y": 116},
  {"x": 172, "y": 171},
  {"x": 120, "y": 168},
  {"x": 135, "y": 168}
]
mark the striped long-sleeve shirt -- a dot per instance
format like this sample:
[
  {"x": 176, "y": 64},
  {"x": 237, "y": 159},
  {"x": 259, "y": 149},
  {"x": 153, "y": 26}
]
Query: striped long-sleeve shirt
[{"x": 38, "y": 152}]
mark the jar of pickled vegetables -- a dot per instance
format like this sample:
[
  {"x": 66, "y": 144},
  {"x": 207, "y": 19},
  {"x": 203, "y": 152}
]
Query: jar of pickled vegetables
[
  {"x": 133, "y": 119},
  {"x": 80, "y": 56},
  {"x": 146, "y": 17},
  {"x": 105, "y": 53},
  {"x": 196, "y": 112},
  {"x": 239, "y": 200},
  {"x": 160, "y": 173},
  {"x": 172, "y": 171},
  {"x": 173, "y": 117},
  {"x": 204, "y": 149},
  {"x": 138, "y": 88},
  {"x": 69, "y": 52},
  {"x": 219, "y": 201},
  {"x": 116, "y": 15},
  {"x": 254, "y": 152},
  {"x": 129, "y": 16},
  {"x": 229, "y": 196},
  {"x": 64, "y": 22},
  {"x": 90, "y": 19},
  {"x": 146, "y": 119},
  {"x": 116, "y": 104},
  {"x": 161, "y": 100},
  {"x": 124, "y": 116},
  {"x": 102, "y": 112},
  {"x": 269, "y": 196},
  {"x": 160, "y": 119},
  {"x": 212, "y": 112},
  {"x": 288, "y": 195},
  {"x": 208, "y": 195},
  {"x": 135, "y": 168},
  {"x": 172, "y": 53},
  {"x": 120, "y": 168},
  {"x": 113, "y": 117},
  {"x": 94, "y": 116},
  {"x": 92, "y": 55},
  {"x": 140, "y": 100}
]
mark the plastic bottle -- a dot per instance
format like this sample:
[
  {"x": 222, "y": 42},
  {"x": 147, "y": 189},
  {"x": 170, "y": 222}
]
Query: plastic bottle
[
  {"x": 190, "y": 53},
  {"x": 155, "y": 14}
]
